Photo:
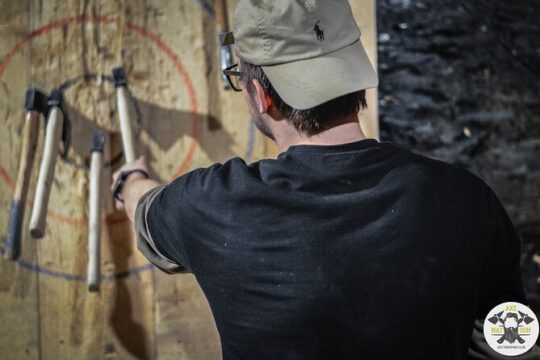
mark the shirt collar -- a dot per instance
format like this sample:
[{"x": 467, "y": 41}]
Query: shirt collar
[{"x": 311, "y": 149}]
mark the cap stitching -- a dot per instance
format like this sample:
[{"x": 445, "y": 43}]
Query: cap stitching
[
  {"x": 309, "y": 5},
  {"x": 316, "y": 56},
  {"x": 266, "y": 42},
  {"x": 311, "y": 10}
]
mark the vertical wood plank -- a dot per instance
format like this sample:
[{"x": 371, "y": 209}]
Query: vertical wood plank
[
  {"x": 118, "y": 321},
  {"x": 365, "y": 13},
  {"x": 19, "y": 334},
  {"x": 185, "y": 326}
]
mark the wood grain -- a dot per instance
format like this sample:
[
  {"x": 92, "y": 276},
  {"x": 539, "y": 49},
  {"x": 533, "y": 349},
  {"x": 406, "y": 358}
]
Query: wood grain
[
  {"x": 19, "y": 300},
  {"x": 364, "y": 13}
]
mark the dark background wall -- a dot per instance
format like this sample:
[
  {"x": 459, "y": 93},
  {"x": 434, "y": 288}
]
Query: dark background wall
[{"x": 460, "y": 81}]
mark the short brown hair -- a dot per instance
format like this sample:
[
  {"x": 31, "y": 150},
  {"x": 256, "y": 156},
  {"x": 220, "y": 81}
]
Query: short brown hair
[{"x": 310, "y": 121}]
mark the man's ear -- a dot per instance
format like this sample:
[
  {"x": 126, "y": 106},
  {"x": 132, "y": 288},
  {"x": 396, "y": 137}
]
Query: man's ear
[{"x": 264, "y": 101}]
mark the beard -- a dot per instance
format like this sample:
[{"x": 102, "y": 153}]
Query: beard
[
  {"x": 261, "y": 125},
  {"x": 258, "y": 120},
  {"x": 511, "y": 334}
]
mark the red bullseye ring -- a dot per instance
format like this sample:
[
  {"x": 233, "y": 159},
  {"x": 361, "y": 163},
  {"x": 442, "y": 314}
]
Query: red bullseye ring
[{"x": 162, "y": 46}]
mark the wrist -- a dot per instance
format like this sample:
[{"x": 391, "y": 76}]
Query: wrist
[
  {"x": 125, "y": 177},
  {"x": 133, "y": 177}
]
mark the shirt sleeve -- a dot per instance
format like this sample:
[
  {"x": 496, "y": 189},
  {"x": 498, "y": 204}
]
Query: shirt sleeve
[
  {"x": 146, "y": 244},
  {"x": 502, "y": 272}
]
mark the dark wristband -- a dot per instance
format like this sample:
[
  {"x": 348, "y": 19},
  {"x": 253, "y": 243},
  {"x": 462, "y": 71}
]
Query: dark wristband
[{"x": 121, "y": 181}]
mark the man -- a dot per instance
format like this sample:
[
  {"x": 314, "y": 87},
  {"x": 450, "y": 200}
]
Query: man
[{"x": 343, "y": 247}]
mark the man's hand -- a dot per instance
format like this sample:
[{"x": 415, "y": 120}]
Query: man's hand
[{"x": 135, "y": 186}]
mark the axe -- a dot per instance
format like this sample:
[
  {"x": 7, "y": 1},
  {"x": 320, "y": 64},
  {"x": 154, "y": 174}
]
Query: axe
[
  {"x": 35, "y": 104},
  {"x": 53, "y": 135},
  {"x": 128, "y": 143},
  {"x": 94, "y": 225},
  {"x": 225, "y": 52},
  {"x": 526, "y": 318},
  {"x": 496, "y": 318}
]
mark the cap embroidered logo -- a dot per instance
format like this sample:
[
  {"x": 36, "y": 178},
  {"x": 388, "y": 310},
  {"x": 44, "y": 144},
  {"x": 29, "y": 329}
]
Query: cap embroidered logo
[{"x": 318, "y": 31}]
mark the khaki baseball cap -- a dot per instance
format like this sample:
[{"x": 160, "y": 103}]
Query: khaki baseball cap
[{"x": 310, "y": 50}]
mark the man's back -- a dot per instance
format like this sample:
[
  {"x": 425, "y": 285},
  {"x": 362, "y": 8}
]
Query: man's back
[{"x": 362, "y": 250}]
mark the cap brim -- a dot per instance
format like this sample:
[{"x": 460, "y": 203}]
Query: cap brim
[{"x": 307, "y": 83}]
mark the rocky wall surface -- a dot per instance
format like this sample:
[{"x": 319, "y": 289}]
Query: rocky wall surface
[{"x": 460, "y": 82}]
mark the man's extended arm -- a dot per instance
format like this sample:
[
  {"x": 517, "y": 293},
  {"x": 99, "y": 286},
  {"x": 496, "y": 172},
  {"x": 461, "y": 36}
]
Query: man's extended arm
[{"x": 138, "y": 193}]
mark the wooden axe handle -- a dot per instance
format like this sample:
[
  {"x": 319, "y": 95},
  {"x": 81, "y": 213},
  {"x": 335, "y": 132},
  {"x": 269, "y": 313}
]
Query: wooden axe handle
[
  {"x": 125, "y": 125},
  {"x": 94, "y": 225},
  {"x": 53, "y": 135},
  {"x": 16, "y": 214},
  {"x": 222, "y": 19}
]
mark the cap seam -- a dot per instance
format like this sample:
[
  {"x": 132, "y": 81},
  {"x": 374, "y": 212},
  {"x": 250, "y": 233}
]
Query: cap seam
[
  {"x": 266, "y": 42},
  {"x": 313, "y": 57}
]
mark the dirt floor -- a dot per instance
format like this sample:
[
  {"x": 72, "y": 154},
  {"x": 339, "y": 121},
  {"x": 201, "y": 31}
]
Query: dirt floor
[{"x": 460, "y": 81}]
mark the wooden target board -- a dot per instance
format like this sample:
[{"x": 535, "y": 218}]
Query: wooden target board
[{"x": 183, "y": 118}]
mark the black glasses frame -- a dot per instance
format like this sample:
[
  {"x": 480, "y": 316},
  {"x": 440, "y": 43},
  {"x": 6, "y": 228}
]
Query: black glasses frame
[{"x": 228, "y": 72}]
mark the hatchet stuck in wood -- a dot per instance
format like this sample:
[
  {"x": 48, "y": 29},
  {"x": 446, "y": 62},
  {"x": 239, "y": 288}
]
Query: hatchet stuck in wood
[
  {"x": 94, "y": 223},
  {"x": 53, "y": 135},
  {"x": 35, "y": 105},
  {"x": 224, "y": 34},
  {"x": 122, "y": 97}
]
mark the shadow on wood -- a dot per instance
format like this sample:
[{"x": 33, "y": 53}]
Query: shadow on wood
[{"x": 155, "y": 127}]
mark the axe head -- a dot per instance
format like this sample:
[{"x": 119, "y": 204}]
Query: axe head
[
  {"x": 36, "y": 100},
  {"x": 98, "y": 141},
  {"x": 119, "y": 77},
  {"x": 56, "y": 98},
  {"x": 226, "y": 38},
  {"x": 527, "y": 319}
]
